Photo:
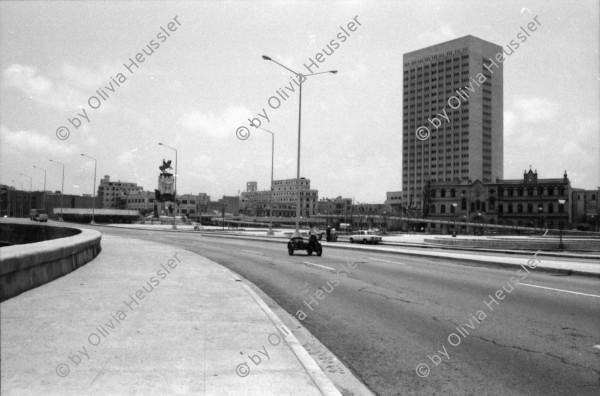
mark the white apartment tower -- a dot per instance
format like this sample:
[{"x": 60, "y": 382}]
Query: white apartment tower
[{"x": 453, "y": 95}]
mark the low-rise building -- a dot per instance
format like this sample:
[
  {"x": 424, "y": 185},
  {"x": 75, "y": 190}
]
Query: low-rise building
[
  {"x": 143, "y": 201},
  {"x": 284, "y": 193},
  {"x": 394, "y": 200},
  {"x": 334, "y": 206},
  {"x": 588, "y": 204},
  {"x": 113, "y": 194},
  {"x": 18, "y": 203},
  {"x": 526, "y": 202}
]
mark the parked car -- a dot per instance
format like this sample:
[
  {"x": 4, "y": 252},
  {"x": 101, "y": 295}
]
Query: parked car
[
  {"x": 38, "y": 215},
  {"x": 365, "y": 237}
]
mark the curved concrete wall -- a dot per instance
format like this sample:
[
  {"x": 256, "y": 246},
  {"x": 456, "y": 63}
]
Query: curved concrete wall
[
  {"x": 24, "y": 267},
  {"x": 20, "y": 233}
]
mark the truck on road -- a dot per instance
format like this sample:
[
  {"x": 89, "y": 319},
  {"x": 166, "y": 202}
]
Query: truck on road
[{"x": 38, "y": 215}]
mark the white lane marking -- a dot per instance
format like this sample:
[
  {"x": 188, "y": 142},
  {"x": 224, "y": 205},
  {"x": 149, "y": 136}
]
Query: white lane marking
[
  {"x": 560, "y": 290},
  {"x": 319, "y": 265},
  {"x": 597, "y": 346},
  {"x": 252, "y": 251},
  {"x": 386, "y": 261}
]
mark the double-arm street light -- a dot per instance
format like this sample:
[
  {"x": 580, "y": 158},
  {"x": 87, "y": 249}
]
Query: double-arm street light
[
  {"x": 175, "y": 184},
  {"x": 94, "y": 191},
  {"x": 62, "y": 187},
  {"x": 44, "y": 199},
  {"x": 301, "y": 79},
  {"x": 30, "y": 184}
]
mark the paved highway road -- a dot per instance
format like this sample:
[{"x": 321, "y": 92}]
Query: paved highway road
[{"x": 410, "y": 325}]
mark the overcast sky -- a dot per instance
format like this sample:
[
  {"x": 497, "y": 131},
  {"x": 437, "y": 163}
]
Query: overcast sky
[{"x": 207, "y": 78}]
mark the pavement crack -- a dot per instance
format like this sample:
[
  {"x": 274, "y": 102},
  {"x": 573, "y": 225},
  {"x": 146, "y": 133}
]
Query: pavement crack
[
  {"x": 562, "y": 359},
  {"x": 388, "y": 298}
]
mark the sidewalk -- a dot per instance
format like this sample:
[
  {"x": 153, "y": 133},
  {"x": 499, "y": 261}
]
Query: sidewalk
[{"x": 150, "y": 319}]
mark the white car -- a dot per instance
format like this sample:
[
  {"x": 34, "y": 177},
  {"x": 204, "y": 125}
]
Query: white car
[{"x": 365, "y": 237}]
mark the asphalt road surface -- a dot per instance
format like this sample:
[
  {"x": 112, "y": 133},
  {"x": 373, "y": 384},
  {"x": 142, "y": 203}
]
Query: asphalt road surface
[{"x": 412, "y": 325}]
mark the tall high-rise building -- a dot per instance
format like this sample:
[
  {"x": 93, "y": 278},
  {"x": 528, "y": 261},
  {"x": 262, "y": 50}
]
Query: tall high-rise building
[{"x": 452, "y": 116}]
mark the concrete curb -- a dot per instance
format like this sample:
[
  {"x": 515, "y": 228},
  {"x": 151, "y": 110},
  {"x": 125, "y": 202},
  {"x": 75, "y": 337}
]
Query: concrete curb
[{"x": 312, "y": 368}]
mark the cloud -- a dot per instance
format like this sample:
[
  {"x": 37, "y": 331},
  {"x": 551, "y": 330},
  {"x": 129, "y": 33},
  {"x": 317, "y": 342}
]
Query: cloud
[
  {"x": 218, "y": 126},
  {"x": 68, "y": 91},
  {"x": 127, "y": 157},
  {"x": 30, "y": 141},
  {"x": 358, "y": 73},
  {"x": 91, "y": 140},
  {"x": 580, "y": 140},
  {"x": 27, "y": 79},
  {"x": 509, "y": 123},
  {"x": 444, "y": 33},
  {"x": 84, "y": 78},
  {"x": 536, "y": 109},
  {"x": 204, "y": 166}
]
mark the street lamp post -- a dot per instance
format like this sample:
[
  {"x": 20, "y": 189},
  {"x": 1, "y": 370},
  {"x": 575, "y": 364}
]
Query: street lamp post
[
  {"x": 44, "y": 193},
  {"x": 175, "y": 186},
  {"x": 467, "y": 216},
  {"x": 301, "y": 79},
  {"x": 541, "y": 211},
  {"x": 62, "y": 187},
  {"x": 21, "y": 198},
  {"x": 561, "y": 224},
  {"x": 271, "y": 195},
  {"x": 7, "y": 202},
  {"x": 30, "y": 184},
  {"x": 455, "y": 206},
  {"x": 94, "y": 191}
]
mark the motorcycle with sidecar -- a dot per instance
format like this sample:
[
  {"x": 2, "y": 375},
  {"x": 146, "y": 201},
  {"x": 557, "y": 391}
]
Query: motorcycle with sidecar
[{"x": 310, "y": 245}]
